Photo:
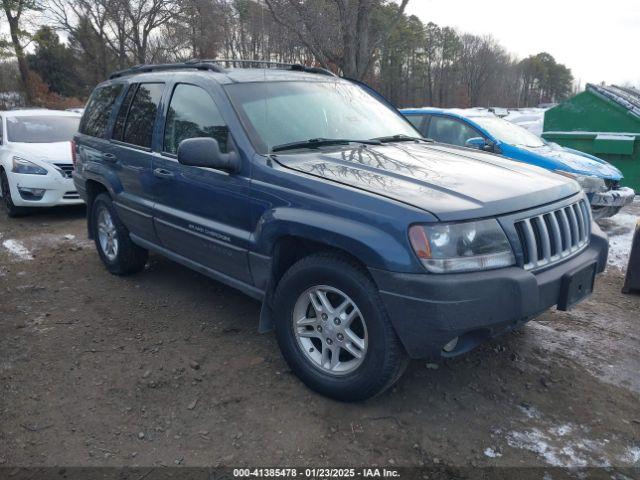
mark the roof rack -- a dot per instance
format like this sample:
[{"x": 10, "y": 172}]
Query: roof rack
[
  {"x": 271, "y": 64},
  {"x": 214, "y": 66},
  {"x": 200, "y": 65}
]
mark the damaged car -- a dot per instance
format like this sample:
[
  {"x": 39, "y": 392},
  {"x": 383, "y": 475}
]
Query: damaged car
[
  {"x": 366, "y": 244},
  {"x": 471, "y": 128}
]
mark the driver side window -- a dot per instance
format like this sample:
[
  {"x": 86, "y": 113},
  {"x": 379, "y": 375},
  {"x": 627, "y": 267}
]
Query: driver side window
[
  {"x": 192, "y": 114},
  {"x": 449, "y": 130}
]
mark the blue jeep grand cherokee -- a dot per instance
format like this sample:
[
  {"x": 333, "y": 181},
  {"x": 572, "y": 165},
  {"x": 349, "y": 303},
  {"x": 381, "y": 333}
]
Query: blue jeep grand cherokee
[{"x": 367, "y": 246}]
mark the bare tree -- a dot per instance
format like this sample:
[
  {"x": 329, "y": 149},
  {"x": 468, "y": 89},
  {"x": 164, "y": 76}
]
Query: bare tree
[
  {"x": 409, "y": 62},
  {"x": 336, "y": 31},
  {"x": 15, "y": 11},
  {"x": 143, "y": 17},
  {"x": 92, "y": 33},
  {"x": 479, "y": 59}
]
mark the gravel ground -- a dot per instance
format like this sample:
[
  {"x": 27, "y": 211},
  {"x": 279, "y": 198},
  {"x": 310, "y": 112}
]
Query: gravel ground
[{"x": 167, "y": 368}]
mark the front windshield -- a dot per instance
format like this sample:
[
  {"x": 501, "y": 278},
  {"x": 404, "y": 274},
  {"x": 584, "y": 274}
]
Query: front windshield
[
  {"x": 508, "y": 132},
  {"x": 41, "y": 129},
  {"x": 278, "y": 113}
]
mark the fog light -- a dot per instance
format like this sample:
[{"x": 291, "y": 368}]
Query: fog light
[
  {"x": 31, "y": 193},
  {"x": 449, "y": 347}
]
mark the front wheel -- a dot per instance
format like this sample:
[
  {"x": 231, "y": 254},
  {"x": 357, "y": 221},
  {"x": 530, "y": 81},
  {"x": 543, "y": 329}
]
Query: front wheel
[
  {"x": 118, "y": 253},
  {"x": 11, "y": 209},
  {"x": 333, "y": 329}
]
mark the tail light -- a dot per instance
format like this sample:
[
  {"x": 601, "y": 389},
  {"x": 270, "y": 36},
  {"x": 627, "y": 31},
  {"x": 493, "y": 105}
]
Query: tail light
[{"x": 74, "y": 153}]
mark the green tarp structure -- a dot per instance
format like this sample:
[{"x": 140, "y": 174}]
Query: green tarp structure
[{"x": 603, "y": 121}]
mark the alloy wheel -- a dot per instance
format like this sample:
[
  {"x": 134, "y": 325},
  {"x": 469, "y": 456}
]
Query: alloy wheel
[
  {"x": 330, "y": 330},
  {"x": 107, "y": 234}
]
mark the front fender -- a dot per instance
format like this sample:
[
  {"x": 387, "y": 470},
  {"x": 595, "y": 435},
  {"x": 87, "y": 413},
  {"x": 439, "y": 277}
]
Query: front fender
[{"x": 373, "y": 246}]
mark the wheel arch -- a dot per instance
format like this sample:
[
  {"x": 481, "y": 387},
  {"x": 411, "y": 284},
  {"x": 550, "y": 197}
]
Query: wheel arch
[
  {"x": 287, "y": 235},
  {"x": 93, "y": 188}
]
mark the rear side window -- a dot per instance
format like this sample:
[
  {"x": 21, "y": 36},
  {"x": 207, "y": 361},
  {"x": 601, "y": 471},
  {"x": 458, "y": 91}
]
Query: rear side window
[
  {"x": 450, "y": 130},
  {"x": 193, "y": 113},
  {"x": 138, "y": 127},
  {"x": 118, "y": 128},
  {"x": 96, "y": 116}
]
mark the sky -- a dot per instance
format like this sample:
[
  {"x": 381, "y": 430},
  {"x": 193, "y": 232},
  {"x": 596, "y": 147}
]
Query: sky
[{"x": 599, "y": 41}]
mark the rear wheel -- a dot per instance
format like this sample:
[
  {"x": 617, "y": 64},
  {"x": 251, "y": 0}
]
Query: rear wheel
[
  {"x": 7, "y": 201},
  {"x": 118, "y": 253},
  {"x": 333, "y": 329}
]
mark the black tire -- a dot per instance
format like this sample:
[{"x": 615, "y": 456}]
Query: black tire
[
  {"x": 385, "y": 359},
  {"x": 7, "y": 201},
  {"x": 129, "y": 258}
]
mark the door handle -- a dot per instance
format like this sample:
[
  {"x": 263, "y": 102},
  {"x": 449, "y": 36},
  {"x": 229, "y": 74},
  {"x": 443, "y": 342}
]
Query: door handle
[
  {"x": 162, "y": 173},
  {"x": 109, "y": 157}
]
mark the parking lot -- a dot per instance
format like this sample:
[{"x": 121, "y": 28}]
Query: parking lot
[{"x": 167, "y": 368}]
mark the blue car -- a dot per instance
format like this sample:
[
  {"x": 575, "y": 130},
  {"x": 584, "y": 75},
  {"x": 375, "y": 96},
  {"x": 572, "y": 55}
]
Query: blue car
[
  {"x": 366, "y": 244},
  {"x": 484, "y": 131}
]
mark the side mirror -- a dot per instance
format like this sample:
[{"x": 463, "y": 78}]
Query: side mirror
[
  {"x": 478, "y": 143},
  {"x": 205, "y": 152}
]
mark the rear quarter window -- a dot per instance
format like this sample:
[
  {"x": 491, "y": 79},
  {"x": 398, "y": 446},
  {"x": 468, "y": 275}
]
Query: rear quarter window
[
  {"x": 98, "y": 111},
  {"x": 138, "y": 127}
]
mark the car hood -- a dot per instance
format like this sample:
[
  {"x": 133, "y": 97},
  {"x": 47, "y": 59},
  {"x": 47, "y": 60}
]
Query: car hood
[
  {"x": 57, "y": 152},
  {"x": 575, "y": 161},
  {"x": 451, "y": 183}
]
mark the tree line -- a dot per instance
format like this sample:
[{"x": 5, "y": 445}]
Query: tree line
[{"x": 58, "y": 50}]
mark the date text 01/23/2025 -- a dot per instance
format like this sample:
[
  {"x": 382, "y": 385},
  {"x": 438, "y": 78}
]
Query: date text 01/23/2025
[{"x": 315, "y": 473}]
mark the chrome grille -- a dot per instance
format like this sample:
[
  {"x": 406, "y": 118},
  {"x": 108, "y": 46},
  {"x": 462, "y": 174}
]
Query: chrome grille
[
  {"x": 554, "y": 236},
  {"x": 66, "y": 169}
]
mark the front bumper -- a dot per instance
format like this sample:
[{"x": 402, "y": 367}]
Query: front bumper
[
  {"x": 429, "y": 310},
  {"x": 613, "y": 198},
  {"x": 59, "y": 190}
]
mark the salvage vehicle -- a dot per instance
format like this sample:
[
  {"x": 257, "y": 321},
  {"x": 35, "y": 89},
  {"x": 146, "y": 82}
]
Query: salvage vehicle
[
  {"x": 35, "y": 159},
  {"x": 366, "y": 244},
  {"x": 477, "y": 129}
]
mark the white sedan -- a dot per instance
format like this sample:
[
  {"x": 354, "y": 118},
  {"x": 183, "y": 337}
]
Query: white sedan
[{"x": 36, "y": 159}]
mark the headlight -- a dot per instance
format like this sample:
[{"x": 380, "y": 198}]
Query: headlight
[
  {"x": 589, "y": 184},
  {"x": 461, "y": 247},
  {"x": 20, "y": 165}
]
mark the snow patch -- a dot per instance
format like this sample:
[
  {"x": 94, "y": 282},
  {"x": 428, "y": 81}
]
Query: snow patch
[
  {"x": 529, "y": 410},
  {"x": 491, "y": 453},
  {"x": 561, "y": 430},
  {"x": 556, "y": 450},
  {"x": 615, "y": 136},
  {"x": 17, "y": 249},
  {"x": 620, "y": 229},
  {"x": 632, "y": 455},
  {"x": 560, "y": 445},
  {"x": 530, "y": 118}
]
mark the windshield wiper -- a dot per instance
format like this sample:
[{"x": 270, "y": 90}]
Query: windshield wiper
[
  {"x": 401, "y": 138},
  {"x": 321, "y": 142}
]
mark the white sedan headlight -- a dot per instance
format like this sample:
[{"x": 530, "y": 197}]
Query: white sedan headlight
[
  {"x": 461, "y": 247},
  {"x": 20, "y": 165}
]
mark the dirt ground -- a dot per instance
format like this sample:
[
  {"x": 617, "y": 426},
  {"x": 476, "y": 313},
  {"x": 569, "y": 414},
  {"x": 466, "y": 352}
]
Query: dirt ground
[{"x": 167, "y": 368}]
